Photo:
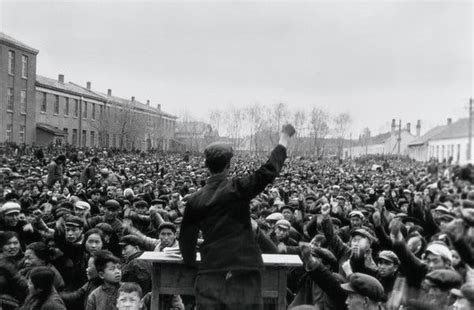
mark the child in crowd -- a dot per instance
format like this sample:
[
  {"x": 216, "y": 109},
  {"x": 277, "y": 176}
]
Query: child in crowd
[{"x": 129, "y": 297}]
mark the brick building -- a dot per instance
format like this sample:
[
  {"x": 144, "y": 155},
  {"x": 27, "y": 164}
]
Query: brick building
[
  {"x": 39, "y": 110},
  {"x": 17, "y": 91}
]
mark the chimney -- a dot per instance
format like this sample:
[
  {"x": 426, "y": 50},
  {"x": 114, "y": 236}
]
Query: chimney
[
  {"x": 418, "y": 128},
  {"x": 133, "y": 98},
  {"x": 61, "y": 78},
  {"x": 450, "y": 121},
  {"x": 394, "y": 125},
  {"x": 409, "y": 127},
  {"x": 88, "y": 85},
  {"x": 109, "y": 92},
  {"x": 159, "y": 107},
  {"x": 148, "y": 102}
]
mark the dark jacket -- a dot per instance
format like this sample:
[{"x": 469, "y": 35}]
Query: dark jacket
[
  {"x": 52, "y": 302},
  {"x": 138, "y": 271},
  {"x": 221, "y": 210},
  {"x": 77, "y": 300}
]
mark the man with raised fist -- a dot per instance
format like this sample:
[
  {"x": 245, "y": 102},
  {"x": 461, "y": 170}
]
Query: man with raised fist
[{"x": 229, "y": 274}]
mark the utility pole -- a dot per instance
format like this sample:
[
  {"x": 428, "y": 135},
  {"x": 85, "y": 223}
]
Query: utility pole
[
  {"x": 350, "y": 146},
  {"x": 399, "y": 140},
  {"x": 469, "y": 143}
]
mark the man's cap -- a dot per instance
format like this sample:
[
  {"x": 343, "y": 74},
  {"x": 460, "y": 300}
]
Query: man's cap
[
  {"x": 439, "y": 249},
  {"x": 340, "y": 197},
  {"x": 442, "y": 209},
  {"x": 106, "y": 228},
  {"x": 362, "y": 232},
  {"x": 289, "y": 207},
  {"x": 357, "y": 213},
  {"x": 283, "y": 224},
  {"x": 140, "y": 204},
  {"x": 104, "y": 171},
  {"x": 310, "y": 197},
  {"x": 218, "y": 151},
  {"x": 444, "y": 279},
  {"x": 131, "y": 240},
  {"x": 83, "y": 205},
  {"x": 158, "y": 202},
  {"x": 112, "y": 204},
  {"x": 276, "y": 216},
  {"x": 168, "y": 225},
  {"x": 366, "y": 286},
  {"x": 389, "y": 256},
  {"x": 10, "y": 207},
  {"x": 74, "y": 221}
]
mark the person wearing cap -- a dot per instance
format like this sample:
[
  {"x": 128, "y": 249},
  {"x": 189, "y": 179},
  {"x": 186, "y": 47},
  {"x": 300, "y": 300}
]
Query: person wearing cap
[
  {"x": 88, "y": 175},
  {"x": 112, "y": 210},
  {"x": 134, "y": 269},
  {"x": 387, "y": 267},
  {"x": 81, "y": 209},
  {"x": 94, "y": 202},
  {"x": 363, "y": 292},
  {"x": 55, "y": 170},
  {"x": 281, "y": 237},
  {"x": 10, "y": 221},
  {"x": 221, "y": 210},
  {"x": 356, "y": 221}
]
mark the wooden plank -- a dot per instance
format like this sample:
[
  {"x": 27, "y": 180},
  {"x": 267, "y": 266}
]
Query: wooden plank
[
  {"x": 282, "y": 290},
  {"x": 156, "y": 284},
  {"x": 268, "y": 259}
]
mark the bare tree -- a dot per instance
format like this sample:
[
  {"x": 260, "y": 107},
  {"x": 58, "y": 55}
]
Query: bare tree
[
  {"x": 299, "y": 121},
  {"x": 216, "y": 119},
  {"x": 255, "y": 120},
  {"x": 319, "y": 129},
  {"x": 341, "y": 123}
]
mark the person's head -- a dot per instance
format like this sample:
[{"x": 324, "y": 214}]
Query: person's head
[
  {"x": 218, "y": 157},
  {"x": 107, "y": 267},
  {"x": 95, "y": 161},
  {"x": 129, "y": 297},
  {"x": 167, "y": 234},
  {"x": 41, "y": 280},
  {"x": 11, "y": 212},
  {"x": 387, "y": 264},
  {"x": 95, "y": 195},
  {"x": 438, "y": 256},
  {"x": 74, "y": 228},
  {"x": 357, "y": 218},
  {"x": 93, "y": 240},
  {"x": 61, "y": 159},
  {"x": 282, "y": 229},
  {"x": 37, "y": 254},
  {"x": 112, "y": 209},
  {"x": 9, "y": 243},
  {"x": 363, "y": 292},
  {"x": 141, "y": 207},
  {"x": 440, "y": 282},
  {"x": 360, "y": 240},
  {"x": 81, "y": 208},
  {"x": 131, "y": 245},
  {"x": 287, "y": 212},
  {"x": 456, "y": 258}
]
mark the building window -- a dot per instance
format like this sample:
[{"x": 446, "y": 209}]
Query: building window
[
  {"x": 24, "y": 66},
  {"x": 84, "y": 110},
  {"x": 11, "y": 62},
  {"x": 44, "y": 103},
  {"x": 93, "y": 110},
  {"x": 22, "y": 134},
  {"x": 23, "y": 101},
  {"x": 66, "y": 106},
  {"x": 84, "y": 138},
  {"x": 56, "y": 104},
  {"x": 9, "y": 132},
  {"x": 92, "y": 139},
  {"x": 66, "y": 134},
  {"x": 74, "y": 137},
  {"x": 76, "y": 108},
  {"x": 10, "y": 99}
]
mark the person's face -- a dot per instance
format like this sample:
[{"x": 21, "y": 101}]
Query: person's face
[
  {"x": 95, "y": 197},
  {"x": 281, "y": 233},
  {"x": 414, "y": 245},
  {"x": 435, "y": 262},
  {"x": 129, "y": 301},
  {"x": 167, "y": 237},
  {"x": 65, "y": 191},
  {"x": 404, "y": 207},
  {"x": 359, "y": 243},
  {"x": 142, "y": 211},
  {"x": 31, "y": 260},
  {"x": 91, "y": 272},
  {"x": 128, "y": 250},
  {"x": 73, "y": 233},
  {"x": 93, "y": 243},
  {"x": 11, "y": 219},
  {"x": 287, "y": 214},
  {"x": 110, "y": 214},
  {"x": 111, "y": 273},
  {"x": 386, "y": 268},
  {"x": 355, "y": 302},
  {"x": 79, "y": 212},
  {"x": 356, "y": 222},
  {"x": 456, "y": 258},
  {"x": 12, "y": 247}
]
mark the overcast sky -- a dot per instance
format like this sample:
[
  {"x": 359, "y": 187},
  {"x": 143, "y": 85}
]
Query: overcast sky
[{"x": 376, "y": 60}]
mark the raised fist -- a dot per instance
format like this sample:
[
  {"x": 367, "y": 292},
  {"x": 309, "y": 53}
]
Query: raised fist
[{"x": 289, "y": 130}]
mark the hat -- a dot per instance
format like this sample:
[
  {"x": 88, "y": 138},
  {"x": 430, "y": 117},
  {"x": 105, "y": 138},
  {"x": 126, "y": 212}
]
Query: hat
[
  {"x": 168, "y": 225},
  {"x": 283, "y": 224},
  {"x": 290, "y": 207},
  {"x": 10, "y": 207},
  {"x": 440, "y": 249},
  {"x": 366, "y": 286},
  {"x": 442, "y": 209},
  {"x": 310, "y": 197},
  {"x": 357, "y": 213},
  {"x": 83, "y": 205},
  {"x": 131, "y": 240},
  {"x": 445, "y": 279},
  {"x": 341, "y": 197},
  {"x": 104, "y": 171},
  {"x": 389, "y": 256},
  {"x": 74, "y": 221},
  {"x": 140, "y": 204},
  {"x": 106, "y": 228},
  {"x": 274, "y": 217},
  {"x": 112, "y": 204},
  {"x": 362, "y": 232}
]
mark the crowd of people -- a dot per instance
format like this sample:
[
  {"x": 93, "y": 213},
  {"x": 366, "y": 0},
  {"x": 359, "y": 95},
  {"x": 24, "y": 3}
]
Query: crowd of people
[{"x": 375, "y": 233}]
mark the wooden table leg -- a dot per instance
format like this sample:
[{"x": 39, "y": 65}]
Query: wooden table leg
[
  {"x": 155, "y": 284},
  {"x": 281, "y": 289}
]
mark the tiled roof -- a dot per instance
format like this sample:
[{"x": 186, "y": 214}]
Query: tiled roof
[
  {"x": 458, "y": 129},
  {"x": 66, "y": 87},
  {"x": 7, "y": 38},
  {"x": 428, "y": 136}
]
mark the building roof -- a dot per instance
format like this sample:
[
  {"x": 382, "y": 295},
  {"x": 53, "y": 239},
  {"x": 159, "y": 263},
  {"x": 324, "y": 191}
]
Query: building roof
[
  {"x": 458, "y": 129},
  {"x": 70, "y": 88},
  {"x": 427, "y": 136},
  {"x": 7, "y": 39},
  {"x": 48, "y": 128}
]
